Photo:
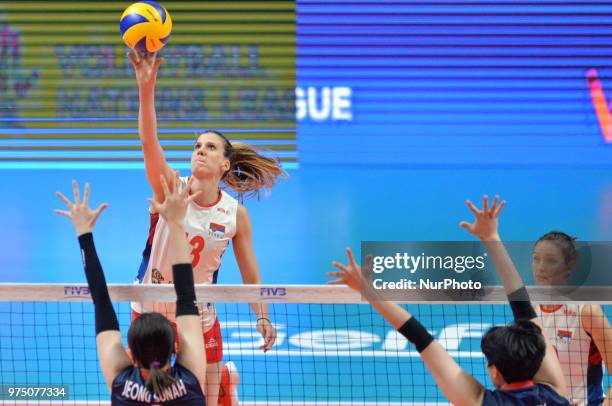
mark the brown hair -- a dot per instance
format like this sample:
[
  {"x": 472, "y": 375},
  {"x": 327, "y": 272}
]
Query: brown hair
[
  {"x": 151, "y": 340},
  {"x": 564, "y": 242},
  {"x": 249, "y": 170}
]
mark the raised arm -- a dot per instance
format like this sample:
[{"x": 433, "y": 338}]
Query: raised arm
[
  {"x": 245, "y": 257},
  {"x": 192, "y": 354},
  {"x": 459, "y": 387},
  {"x": 146, "y": 67},
  {"x": 113, "y": 357},
  {"x": 486, "y": 228}
]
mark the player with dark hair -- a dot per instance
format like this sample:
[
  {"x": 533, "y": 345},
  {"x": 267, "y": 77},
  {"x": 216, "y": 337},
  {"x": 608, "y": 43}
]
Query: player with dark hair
[
  {"x": 147, "y": 377},
  {"x": 522, "y": 364}
]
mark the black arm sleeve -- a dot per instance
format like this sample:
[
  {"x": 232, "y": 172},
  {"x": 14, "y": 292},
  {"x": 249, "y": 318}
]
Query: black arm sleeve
[
  {"x": 106, "y": 319},
  {"x": 521, "y": 305},
  {"x": 185, "y": 291},
  {"x": 418, "y": 335}
]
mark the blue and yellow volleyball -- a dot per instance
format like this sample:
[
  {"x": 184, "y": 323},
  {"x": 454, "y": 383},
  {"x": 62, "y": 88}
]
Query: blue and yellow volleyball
[{"x": 145, "y": 26}]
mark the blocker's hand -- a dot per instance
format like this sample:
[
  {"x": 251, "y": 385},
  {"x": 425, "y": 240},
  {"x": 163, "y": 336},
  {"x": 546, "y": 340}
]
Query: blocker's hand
[
  {"x": 486, "y": 224},
  {"x": 83, "y": 218},
  {"x": 351, "y": 274},
  {"x": 174, "y": 207}
]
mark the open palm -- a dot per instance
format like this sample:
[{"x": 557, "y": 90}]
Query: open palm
[
  {"x": 83, "y": 218},
  {"x": 174, "y": 207},
  {"x": 351, "y": 274},
  {"x": 486, "y": 224}
]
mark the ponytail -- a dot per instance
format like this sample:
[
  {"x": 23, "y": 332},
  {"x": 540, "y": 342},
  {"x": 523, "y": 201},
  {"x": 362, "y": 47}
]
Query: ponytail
[
  {"x": 249, "y": 170},
  {"x": 151, "y": 342},
  {"x": 158, "y": 379}
]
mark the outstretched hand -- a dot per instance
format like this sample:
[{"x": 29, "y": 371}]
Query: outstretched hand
[
  {"x": 486, "y": 224},
  {"x": 174, "y": 207},
  {"x": 146, "y": 67},
  {"x": 83, "y": 218},
  {"x": 351, "y": 274}
]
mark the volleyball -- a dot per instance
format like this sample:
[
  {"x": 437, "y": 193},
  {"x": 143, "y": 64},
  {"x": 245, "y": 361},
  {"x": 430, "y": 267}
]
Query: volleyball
[{"x": 145, "y": 26}]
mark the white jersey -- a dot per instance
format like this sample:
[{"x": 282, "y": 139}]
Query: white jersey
[
  {"x": 580, "y": 360},
  {"x": 209, "y": 231}
]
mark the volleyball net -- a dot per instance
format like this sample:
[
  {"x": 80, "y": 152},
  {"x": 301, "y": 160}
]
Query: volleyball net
[{"x": 331, "y": 348}]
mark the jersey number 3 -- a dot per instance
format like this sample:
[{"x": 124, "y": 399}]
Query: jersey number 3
[{"x": 197, "y": 243}]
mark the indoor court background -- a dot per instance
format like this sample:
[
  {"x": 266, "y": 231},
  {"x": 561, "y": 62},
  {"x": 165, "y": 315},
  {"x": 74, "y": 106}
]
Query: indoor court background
[{"x": 404, "y": 110}]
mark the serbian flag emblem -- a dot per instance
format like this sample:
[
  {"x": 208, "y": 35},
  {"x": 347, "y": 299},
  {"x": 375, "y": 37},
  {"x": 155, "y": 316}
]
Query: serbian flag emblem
[
  {"x": 217, "y": 228},
  {"x": 564, "y": 334}
]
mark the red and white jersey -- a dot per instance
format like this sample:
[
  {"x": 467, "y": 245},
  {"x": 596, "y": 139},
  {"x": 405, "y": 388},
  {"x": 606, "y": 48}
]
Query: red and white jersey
[
  {"x": 209, "y": 231},
  {"x": 580, "y": 360}
]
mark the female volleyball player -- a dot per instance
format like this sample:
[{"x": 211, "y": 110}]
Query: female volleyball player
[
  {"x": 522, "y": 364},
  {"x": 213, "y": 218},
  {"x": 148, "y": 379},
  {"x": 581, "y": 334}
]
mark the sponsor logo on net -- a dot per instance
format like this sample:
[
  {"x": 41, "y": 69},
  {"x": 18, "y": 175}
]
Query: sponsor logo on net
[
  {"x": 273, "y": 293},
  {"x": 76, "y": 292}
]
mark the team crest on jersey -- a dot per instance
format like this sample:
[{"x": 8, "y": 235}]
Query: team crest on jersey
[
  {"x": 564, "y": 335},
  {"x": 216, "y": 230}
]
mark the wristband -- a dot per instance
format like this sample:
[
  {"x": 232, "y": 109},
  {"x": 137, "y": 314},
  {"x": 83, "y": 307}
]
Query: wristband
[
  {"x": 185, "y": 291},
  {"x": 418, "y": 335},
  {"x": 521, "y": 305}
]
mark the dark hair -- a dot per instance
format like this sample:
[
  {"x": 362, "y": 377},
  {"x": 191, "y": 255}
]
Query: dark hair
[
  {"x": 564, "y": 242},
  {"x": 516, "y": 350},
  {"x": 151, "y": 341},
  {"x": 249, "y": 170}
]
